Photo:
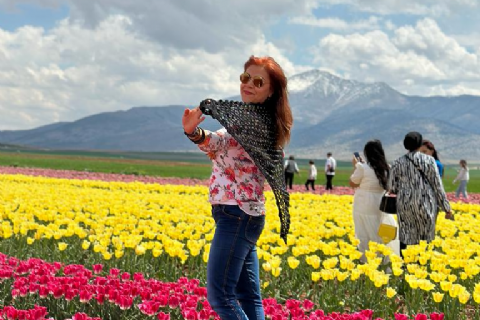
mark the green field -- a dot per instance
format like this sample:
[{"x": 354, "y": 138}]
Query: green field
[{"x": 170, "y": 164}]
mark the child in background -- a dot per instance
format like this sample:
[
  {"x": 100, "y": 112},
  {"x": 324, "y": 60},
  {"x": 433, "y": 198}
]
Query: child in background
[
  {"x": 463, "y": 176},
  {"x": 312, "y": 175}
]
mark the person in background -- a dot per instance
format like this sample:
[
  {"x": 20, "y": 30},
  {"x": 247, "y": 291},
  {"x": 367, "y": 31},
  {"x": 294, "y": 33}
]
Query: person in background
[
  {"x": 291, "y": 168},
  {"x": 463, "y": 176},
  {"x": 370, "y": 180},
  {"x": 428, "y": 148},
  {"x": 330, "y": 166},
  {"x": 415, "y": 180},
  {"x": 236, "y": 193},
  {"x": 312, "y": 175}
]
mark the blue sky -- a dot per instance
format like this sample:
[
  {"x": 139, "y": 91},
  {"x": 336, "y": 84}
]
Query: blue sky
[{"x": 61, "y": 60}]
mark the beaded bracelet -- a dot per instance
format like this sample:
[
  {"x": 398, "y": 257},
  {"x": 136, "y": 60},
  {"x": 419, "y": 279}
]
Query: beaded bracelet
[
  {"x": 198, "y": 135},
  {"x": 194, "y": 134},
  {"x": 202, "y": 138}
]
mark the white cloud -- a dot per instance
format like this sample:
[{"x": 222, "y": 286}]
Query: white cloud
[
  {"x": 434, "y": 8},
  {"x": 421, "y": 54},
  {"x": 456, "y": 90},
  {"x": 11, "y": 5},
  {"x": 470, "y": 40},
  {"x": 189, "y": 24},
  {"x": 336, "y": 23},
  {"x": 71, "y": 71}
]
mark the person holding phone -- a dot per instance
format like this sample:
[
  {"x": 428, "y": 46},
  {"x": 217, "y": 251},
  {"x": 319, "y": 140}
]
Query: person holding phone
[{"x": 370, "y": 179}]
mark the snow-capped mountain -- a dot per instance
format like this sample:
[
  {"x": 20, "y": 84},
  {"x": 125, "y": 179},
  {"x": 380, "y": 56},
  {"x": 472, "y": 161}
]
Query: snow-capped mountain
[
  {"x": 317, "y": 94},
  {"x": 330, "y": 114}
]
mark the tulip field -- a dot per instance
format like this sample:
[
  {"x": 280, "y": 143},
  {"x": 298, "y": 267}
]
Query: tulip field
[{"x": 97, "y": 246}]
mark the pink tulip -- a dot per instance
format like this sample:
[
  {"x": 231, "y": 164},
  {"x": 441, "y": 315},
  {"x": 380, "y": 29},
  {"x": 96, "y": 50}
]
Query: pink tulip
[
  {"x": 124, "y": 302},
  {"x": 80, "y": 316},
  {"x": 97, "y": 268},
  {"x": 436, "y": 316},
  {"x": 163, "y": 316},
  {"x": 85, "y": 296},
  {"x": 308, "y": 305}
]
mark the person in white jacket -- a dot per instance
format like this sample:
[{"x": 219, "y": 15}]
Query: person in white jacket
[
  {"x": 312, "y": 175},
  {"x": 463, "y": 176},
  {"x": 370, "y": 180}
]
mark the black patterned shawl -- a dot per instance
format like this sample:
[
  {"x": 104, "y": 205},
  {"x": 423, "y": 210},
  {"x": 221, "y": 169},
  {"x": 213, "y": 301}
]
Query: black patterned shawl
[{"x": 253, "y": 126}]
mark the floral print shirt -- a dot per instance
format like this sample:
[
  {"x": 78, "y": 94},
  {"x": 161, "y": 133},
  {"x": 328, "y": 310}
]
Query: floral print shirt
[{"x": 235, "y": 180}]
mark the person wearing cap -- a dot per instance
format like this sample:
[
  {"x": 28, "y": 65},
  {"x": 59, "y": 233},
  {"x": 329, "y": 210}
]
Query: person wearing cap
[{"x": 415, "y": 180}]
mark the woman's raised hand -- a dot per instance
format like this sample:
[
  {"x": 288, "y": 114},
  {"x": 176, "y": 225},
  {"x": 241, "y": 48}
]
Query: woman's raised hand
[{"x": 191, "y": 119}]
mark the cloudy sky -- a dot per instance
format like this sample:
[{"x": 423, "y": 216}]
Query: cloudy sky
[{"x": 61, "y": 60}]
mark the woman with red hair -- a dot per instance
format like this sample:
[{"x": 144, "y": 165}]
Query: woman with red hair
[{"x": 237, "y": 193}]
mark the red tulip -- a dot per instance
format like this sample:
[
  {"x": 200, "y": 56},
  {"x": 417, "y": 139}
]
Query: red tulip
[
  {"x": 97, "y": 268},
  {"x": 85, "y": 296},
  {"x": 421, "y": 316},
  {"x": 80, "y": 316},
  {"x": 308, "y": 305},
  {"x": 436, "y": 316},
  {"x": 125, "y": 276},
  {"x": 124, "y": 302},
  {"x": 163, "y": 316},
  {"x": 114, "y": 272}
]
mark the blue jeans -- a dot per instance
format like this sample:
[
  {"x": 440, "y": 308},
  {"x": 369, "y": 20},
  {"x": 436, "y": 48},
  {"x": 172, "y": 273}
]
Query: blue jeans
[{"x": 233, "y": 278}]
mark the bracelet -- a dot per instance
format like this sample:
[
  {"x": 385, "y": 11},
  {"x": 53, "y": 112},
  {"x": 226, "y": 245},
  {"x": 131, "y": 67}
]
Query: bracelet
[
  {"x": 198, "y": 135},
  {"x": 201, "y": 139},
  {"x": 195, "y": 133}
]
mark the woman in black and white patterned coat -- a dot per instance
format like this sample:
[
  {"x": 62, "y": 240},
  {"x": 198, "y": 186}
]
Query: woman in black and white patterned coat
[{"x": 418, "y": 196}]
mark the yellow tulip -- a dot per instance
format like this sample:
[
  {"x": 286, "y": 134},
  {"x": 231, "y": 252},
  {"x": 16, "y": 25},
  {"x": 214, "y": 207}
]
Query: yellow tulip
[
  {"x": 276, "y": 272},
  {"x": 456, "y": 290},
  {"x": 315, "y": 276},
  {"x": 476, "y": 297},
  {"x": 293, "y": 262},
  {"x": 437, "y": 297},
  {"x": 267, "y": 266},
  {"x": 391, "y": 292},
  {"x": 85, "y": 245},
  {"x": 62, "y": 246},
  {"x": 119, "y": 254},
  {"x": 464, "y": 297},
  {"x": 445, "y": 285}
]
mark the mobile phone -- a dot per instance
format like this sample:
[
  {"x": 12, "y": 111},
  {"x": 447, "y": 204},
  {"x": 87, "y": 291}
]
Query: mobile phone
[{"x": 357, "y": 156}]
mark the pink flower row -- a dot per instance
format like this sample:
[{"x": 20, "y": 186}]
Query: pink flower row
[
  {"x": 37, "y": 313},
  {"x": 84, "y": 175},
  {"x": 41, "y": 280}
]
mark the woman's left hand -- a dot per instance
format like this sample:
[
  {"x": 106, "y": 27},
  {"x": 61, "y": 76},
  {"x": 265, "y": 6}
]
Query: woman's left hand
[
  {"x": 449, "y": 215},
  {"x": 354, "y": 161}
]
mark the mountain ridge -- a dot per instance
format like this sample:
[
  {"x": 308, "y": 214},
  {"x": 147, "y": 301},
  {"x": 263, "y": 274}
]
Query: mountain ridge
[{"x": 330, "y": 114}]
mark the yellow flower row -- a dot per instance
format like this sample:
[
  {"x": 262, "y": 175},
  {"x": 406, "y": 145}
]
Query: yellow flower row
[{"x": 112, "y": 217}]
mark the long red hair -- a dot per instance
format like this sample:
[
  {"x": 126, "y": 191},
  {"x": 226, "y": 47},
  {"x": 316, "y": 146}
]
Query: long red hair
[{"x": 278, "y": 81}]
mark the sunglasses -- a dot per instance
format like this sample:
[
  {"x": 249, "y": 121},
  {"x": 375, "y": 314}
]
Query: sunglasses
[{"x": 257, "y": 80}]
